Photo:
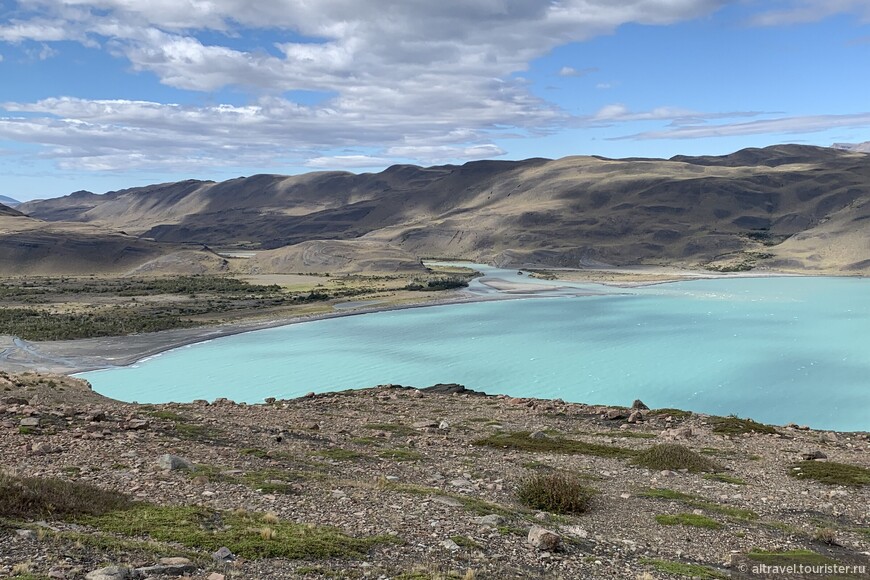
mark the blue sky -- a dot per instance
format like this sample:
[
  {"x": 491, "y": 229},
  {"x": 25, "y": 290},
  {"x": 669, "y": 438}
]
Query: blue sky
[{"x": 107, "y": 94}]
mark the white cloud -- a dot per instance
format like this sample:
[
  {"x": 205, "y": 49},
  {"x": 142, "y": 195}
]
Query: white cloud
[
  {"x": 802, "y": 11},
  {"x": 431, "y": 79},
  {"x": 347, "y": 162},
  {"x": 782, "y": 125},
  {"x": 618, "y": 112},
  {"x": 569, "y": 71}
]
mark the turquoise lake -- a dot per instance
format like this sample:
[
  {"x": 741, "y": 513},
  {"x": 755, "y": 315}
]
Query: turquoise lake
[{"x": 774, "y": 349}]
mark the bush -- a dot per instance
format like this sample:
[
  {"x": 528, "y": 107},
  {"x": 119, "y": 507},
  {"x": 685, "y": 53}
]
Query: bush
[
  {"x": 37, "y": 497},
  {"x": 558, "y": 493},
  {"x": 831, "y": 472},
  {"x": 674, "y": 457},
  {"x": 738, "y": 426}
]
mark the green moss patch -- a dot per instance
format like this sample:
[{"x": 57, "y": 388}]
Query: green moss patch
[
  {"x": 831, "y": 473},
  {"x": 699, "y": 502},
  {"x": 244, "y": 534},
  {"x": 522, "y": 441},
  {"x": 675, "y": 413},
  {"x": 790, "y": 557},
  {"x": 396, "y": 428},
  {"x": 672, "y": 456},
  {"x": 682, "y": 569},
  {"x": 400, "y": 455},
  {"x": 738, "y": 426}
]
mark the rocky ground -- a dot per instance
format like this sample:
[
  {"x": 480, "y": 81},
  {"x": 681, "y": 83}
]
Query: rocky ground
[{"x": 397, "y": 482}]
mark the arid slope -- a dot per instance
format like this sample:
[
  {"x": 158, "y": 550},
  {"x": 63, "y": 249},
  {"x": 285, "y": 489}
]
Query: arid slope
[{"x": 732, "y": 211}]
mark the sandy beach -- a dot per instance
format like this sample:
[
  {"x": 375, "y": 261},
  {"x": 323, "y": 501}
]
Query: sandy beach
[{"x": 75, "y": 356}]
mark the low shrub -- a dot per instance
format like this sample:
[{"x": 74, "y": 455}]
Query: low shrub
[
  {"x": 674, "y": 457},
  {"x": 558, "y": 493}
]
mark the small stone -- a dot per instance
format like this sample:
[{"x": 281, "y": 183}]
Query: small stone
[
  {"x": 29, "y": 422},
  {"x": 174, "y": 463},
  {"x": 538, "y": 435},
  {"x": 425, "y": 424},
  {"x": 223, "y": 555},
  {"x": 96, "y": 415},
  {"x": 544, "y": 539},
  {"x": 43, "y": 448},
  {"x": 450, "y": 545},
  {"x": 28, "y": 534},
  {"x": 444, "y": 425},
  {"x": 491, "y": 520},
  {"x": 216, "y": 576}
]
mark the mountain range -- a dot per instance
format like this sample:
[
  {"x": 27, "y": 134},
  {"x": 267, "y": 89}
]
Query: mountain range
[
  {"x": 790, "y": 207},
  {"x": 8, "y": 201}
]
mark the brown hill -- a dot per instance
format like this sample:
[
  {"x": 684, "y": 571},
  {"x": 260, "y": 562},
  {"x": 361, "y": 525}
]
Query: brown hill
[
  {"x": 34, "y": 247},
  {"x": 733, "y": 210},
  {"x": 5, "y": 210}
]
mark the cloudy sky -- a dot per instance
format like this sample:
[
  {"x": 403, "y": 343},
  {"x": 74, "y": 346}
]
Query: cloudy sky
[{"x": 105, "y": 94}]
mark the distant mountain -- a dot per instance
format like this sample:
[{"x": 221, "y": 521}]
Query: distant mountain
[
  {"x": 8, "y": 201},
  {"x": 857, "y": 147},
  {"x": 795, "y": 207}
]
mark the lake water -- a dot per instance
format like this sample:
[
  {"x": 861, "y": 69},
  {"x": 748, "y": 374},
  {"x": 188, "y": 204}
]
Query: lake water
[{"x": 774, "y": 349}]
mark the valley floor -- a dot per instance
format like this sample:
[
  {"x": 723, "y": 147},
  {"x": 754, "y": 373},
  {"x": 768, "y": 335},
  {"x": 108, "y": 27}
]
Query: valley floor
[{"x": 85, "y": 354}]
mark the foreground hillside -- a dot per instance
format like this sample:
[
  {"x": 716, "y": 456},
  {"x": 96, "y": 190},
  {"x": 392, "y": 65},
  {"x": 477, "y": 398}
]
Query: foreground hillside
[
  {"x": 396, "y": 482},
  {"x": 786, "y": 207}
]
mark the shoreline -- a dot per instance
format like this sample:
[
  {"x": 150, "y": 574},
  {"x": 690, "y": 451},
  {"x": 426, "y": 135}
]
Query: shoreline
[{"x": 72, "y": 357}]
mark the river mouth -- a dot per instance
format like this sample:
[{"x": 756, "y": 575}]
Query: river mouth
[{"x": 778, "y": 350}]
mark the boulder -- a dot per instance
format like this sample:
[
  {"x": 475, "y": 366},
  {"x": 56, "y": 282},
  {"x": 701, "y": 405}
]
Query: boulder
[
  {"x": 29, "y": 422},
  {"x": 544, "y": 539},
  {"x": 639, "y": 405},
  {"x": 168, "y": 567},
  {"x": 112, "y": 573},
  {"x": 616, "y": 414},
  {"x": 491, "y": 520},
  {"x": 174, "y": 463},
  {"x": 811, "y": 455},
  {"x": 223, "y": 555}
]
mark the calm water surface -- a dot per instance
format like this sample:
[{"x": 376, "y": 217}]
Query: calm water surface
[{"x": 774, "y": 349}]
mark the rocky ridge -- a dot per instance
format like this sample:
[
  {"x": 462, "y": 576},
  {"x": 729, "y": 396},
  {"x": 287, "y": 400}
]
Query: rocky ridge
[{"x": 428, "y": 479}]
